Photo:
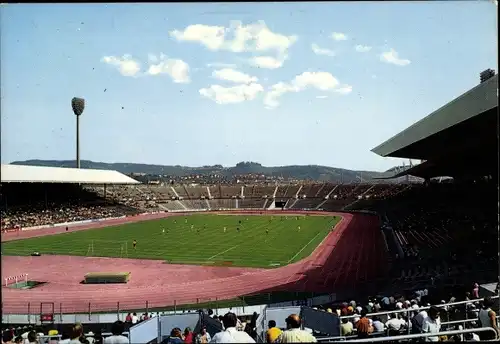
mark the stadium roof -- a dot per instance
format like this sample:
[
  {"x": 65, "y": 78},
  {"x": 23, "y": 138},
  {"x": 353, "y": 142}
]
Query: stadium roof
[
  {"x": 457, "y": 140},
  {"x": 430, "y": 137},
  {"x": 39, "y": 174}
]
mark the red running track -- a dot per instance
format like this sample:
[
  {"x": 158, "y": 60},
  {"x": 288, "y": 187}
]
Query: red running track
[{"x": 350, "y": 253}]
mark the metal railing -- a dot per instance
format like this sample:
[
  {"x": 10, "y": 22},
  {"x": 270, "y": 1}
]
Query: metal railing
[
  {"x": 411, "y": 310},
  {"x": 47, "y": 338},
  {"x": 408, "y": 336}
]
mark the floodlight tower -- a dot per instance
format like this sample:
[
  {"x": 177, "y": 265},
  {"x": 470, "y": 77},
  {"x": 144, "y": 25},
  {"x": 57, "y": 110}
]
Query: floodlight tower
[{"x": 78, "y": 104}]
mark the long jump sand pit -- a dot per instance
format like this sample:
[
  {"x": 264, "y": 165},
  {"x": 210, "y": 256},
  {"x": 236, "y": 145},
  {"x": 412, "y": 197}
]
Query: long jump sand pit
[{"x": 165, "y": 284}]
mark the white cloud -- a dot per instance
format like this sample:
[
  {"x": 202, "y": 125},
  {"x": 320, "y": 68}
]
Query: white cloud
[
  {"x": 177, "y": 69},
  {"x": 338, "y": 36},
  {"x": 126, "y": 65},
  {"x": 344, "y": 89},
  {"x": 251, "y": 37},
  {"x": 232, "y": 95},
  {"x": 392, "y": 56},
  {"x": 232, "y": 75},
  {"x": 211, "y": 37},
  {"x": 267, "y": 62},
  {"x": 362, "y": 48},
  {"x": 321, "y": 51},
  {"x": 322, "y": 81}
]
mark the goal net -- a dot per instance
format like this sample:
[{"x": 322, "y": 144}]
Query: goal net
[{"x": 107, "y": 248}]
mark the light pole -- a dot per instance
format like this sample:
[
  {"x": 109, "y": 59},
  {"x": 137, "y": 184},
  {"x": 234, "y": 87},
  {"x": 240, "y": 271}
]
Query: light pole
[{"x": 78, "y": 104}]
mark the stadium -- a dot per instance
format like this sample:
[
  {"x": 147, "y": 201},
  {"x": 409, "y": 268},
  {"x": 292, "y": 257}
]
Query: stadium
[{"x": 91, "y": 246}]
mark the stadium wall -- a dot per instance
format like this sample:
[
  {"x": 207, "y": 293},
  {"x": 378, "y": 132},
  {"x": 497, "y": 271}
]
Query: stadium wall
[{"x": 71, "y": 223}]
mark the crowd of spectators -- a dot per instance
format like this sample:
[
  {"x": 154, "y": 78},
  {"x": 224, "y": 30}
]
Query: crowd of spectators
[
  {"x": 46, "y": 204},
  {"x": 443, "y": 229},
  {"x": 27, "y": 205},
  {"x": 75, "y": 335}
]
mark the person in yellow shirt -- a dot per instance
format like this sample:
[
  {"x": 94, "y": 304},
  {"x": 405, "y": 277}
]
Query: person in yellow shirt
[
  {"x": 273, "y": 333},
  {"x": 293, "y": 333}
]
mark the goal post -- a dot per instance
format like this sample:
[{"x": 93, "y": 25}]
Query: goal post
[{"x": 108, "y": 248}]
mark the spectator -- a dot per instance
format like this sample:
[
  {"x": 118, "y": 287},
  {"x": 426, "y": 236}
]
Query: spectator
[
  {"x": 7, "y": 337},
  {"x": 188, "y": 336},
  {"x": 394, "y": 324},
  {"x": 65, "y": 338},
  {"x": 98, "y": 337},
  {"x": 273, "y": 332},
  {"x": 293, "y": 333},
  {"x": 90, "y": 337},
  {"x": 487, "y": 318},
  {"x": 19, "y": 340},
  {"x": 32, "y": 337},
  {"x": 231, "y": 334},
  {"x": 76, "y": 334},
  {"x": 417, "y": 321},
  {"x": 363, "y": 326},
  {"x": 432, "y": 324},
  {"x": 135, "y": 319},
  {"x": 471, "y": 337},
  {"x": 203, "y": 337},
  {"x": 378, "y": 326},
  {"x": 128, "y": 318},
  {"x": 475, "y": 291},
  {"x": 346, "y": 328},
  {"x": 174, "y": 338},
  {"x": 117, "y": 336}
]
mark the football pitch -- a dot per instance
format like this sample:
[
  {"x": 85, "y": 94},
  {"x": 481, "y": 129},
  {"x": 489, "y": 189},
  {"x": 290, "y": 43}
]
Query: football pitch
[{"x": 230, "y": 240}]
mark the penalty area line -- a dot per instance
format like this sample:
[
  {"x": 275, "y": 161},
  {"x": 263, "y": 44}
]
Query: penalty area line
[
  {"x": 303, "y": 248},
  {"x": 218, "y": 254}
]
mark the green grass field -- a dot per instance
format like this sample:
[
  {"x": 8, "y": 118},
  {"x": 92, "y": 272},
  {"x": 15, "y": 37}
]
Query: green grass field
[{"x": 262, "y": 241}]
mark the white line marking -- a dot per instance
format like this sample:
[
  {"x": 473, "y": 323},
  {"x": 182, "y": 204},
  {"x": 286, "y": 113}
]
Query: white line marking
[
  {"x": 303, "y": 248},
  {"x": 218, "y": 254}
]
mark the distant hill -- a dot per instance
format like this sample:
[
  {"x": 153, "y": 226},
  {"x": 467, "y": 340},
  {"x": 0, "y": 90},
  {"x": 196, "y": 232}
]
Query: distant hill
[{"x": 307, "y": 172}]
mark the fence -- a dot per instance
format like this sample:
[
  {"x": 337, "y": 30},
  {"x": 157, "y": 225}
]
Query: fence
[
  {"x": 40, "y": 313},
  {"x": 408, "y": 336},
  {"x": 409, "y": 311},
  {"x": 59, "y": 309}
]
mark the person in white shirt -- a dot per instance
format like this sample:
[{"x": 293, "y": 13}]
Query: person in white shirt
[
  {"x": 294, "y": 334},
  {"x": 432, "y": 324},
  {"x": 135, "y": 318},
  {"x": 378, "y": 326},
  {"x": 231, "y": 334},
  {"x": 395, "y": 323},
  {"x": 117, "y": 336},
  {"x": 90, "y": 337}
]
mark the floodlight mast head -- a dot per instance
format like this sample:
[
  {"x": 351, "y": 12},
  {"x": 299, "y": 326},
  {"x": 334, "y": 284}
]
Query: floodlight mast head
[{"x": 78, "y": 105}]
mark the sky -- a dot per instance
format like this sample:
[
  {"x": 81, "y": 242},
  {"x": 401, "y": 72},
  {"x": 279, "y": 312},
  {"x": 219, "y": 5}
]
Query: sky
[{"x": 318, "y": 83}]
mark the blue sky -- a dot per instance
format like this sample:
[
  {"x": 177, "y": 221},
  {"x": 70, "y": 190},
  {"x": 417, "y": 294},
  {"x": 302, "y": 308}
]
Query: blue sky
[{"x": 197, "y": 84}]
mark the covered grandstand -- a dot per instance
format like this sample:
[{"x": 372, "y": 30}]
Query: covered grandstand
[
  {"x": 457, "y": 140},
  {"x": 34, "y": 196}
]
